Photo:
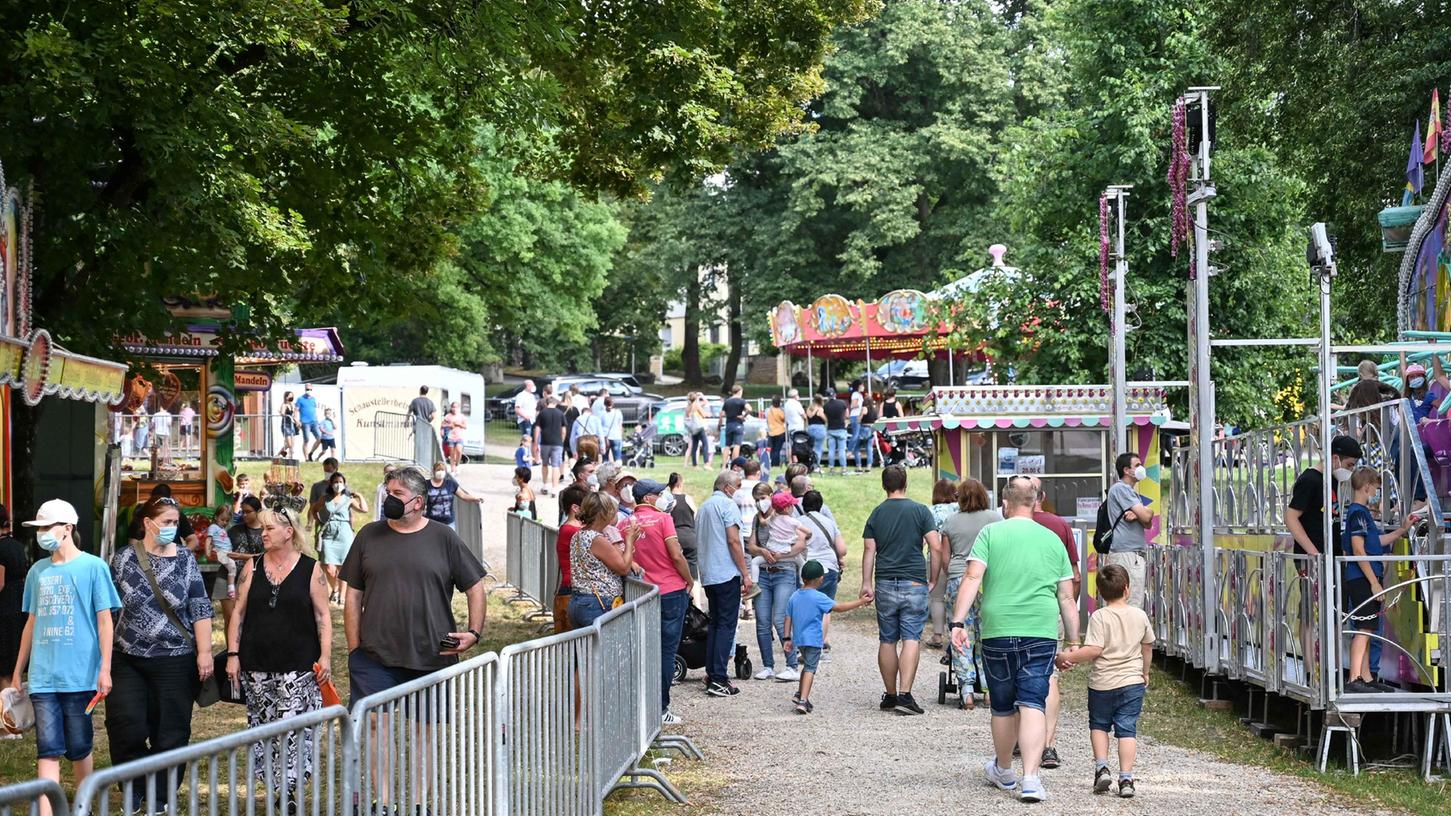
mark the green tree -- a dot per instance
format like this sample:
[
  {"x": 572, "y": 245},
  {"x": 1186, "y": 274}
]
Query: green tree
[
  {"x": 280, "y": 153},
  {"x": 1127, "y": 60}
]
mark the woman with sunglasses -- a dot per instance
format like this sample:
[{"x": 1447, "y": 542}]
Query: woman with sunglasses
[
  {"x": 157, "y": 666},
  {"x": 270, "y": 656}
]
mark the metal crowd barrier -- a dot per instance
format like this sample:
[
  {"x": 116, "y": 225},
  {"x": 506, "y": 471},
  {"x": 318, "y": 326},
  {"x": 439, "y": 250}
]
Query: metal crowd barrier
[
  {"x": 426, "y": 745},
  {"x": 245, "y": 772},
  {"x": 29, "y": 794},
  {"x": 532, "y": 562}
]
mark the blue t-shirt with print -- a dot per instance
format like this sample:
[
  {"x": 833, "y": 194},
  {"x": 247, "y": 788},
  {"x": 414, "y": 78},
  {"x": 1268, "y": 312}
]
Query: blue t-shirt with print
[
  {"x": 307, "y": 409},
  {"x": 1359, "y": 522},
  {"x": 65, "y": 652},
  {"x": 806, "y": 609}
]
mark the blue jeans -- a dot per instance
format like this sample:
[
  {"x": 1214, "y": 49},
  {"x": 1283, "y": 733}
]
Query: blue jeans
[
  {"x": 966, "y": 664},
  {"x": 62, "y": 726},
  {"x": 818, "y": 442},
  {"x": 701, "y": 447},
  {"x": 901, "y": 609},
  {"x": 829, "y": 582},
  {"x": 1118, "y": 709},
  {"x": 672, "y": 622},
  {"x": 837, "y": 455},
  {"x": 864, "y": 444},
  {"x": 1018, "y": 670},
  {"x": 615, "y": 448},
  {"x": 584, "y": 608},
  {"x": 720, "y": 633},
  {"x": 776, "y": 589}
]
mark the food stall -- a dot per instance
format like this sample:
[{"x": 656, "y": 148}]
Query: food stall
[{"x": 176, "y": 423}]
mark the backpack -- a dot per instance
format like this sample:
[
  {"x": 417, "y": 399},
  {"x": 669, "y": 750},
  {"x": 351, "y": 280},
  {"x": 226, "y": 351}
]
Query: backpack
[{"x": 1103, "y": 530}]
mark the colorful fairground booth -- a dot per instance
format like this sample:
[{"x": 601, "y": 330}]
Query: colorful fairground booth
[
  {"x": 178, "y": 422},
  {"x": 69, "y": 390}
]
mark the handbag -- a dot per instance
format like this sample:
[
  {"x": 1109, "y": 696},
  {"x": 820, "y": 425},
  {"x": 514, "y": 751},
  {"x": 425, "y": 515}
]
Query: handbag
[{"x": 208, "y": 692}]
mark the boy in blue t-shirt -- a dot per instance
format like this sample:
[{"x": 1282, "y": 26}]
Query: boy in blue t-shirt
[
  {"x": 808, "y": 605},
  {"x": 1362, "y": 536},
  {"x": 69, "y": 599}
]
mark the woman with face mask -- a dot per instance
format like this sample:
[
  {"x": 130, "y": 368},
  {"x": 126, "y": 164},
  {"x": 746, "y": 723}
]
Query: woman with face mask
[
  {"x": 271, "y": 651},
  {"x": 158, "y": 667},
  {"x": 290, "y": 428},
  {"x": 442, "y": 490},
  {"x": 336, "y": 538},
  {"x": 596, "y": 563},
  {"x": 777, "y": 541}
]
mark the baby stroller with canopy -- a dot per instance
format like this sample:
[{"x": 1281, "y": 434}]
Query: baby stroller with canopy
[
  {"x": 639, "y": 449},
  {"x": 691, "y": 652}
]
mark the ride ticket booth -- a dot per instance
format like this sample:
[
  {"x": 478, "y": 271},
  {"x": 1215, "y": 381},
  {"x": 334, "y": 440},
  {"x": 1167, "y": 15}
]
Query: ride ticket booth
[{"x": 178, "y": 421}]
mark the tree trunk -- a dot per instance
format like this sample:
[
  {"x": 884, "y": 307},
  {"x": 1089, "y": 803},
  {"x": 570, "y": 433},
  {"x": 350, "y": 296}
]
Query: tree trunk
[
  {"x": 690, "y": 352},
  {"x": 737, "y": 332}
]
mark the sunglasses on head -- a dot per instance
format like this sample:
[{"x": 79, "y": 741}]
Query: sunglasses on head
[{"x": 167, "y": 500}]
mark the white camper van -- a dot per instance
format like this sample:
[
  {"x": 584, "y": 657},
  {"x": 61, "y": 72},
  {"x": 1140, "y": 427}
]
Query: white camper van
[{"x": 368, "y": 389}]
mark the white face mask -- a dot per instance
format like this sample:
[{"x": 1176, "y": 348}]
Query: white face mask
[
  {"x": 1342, "y": 474},
  {"x": 764, "y": 505},
  {"x": 665, "y": 502},
  {"x": 1141, "y": 473},
  {"x": 339, "y": 487}
]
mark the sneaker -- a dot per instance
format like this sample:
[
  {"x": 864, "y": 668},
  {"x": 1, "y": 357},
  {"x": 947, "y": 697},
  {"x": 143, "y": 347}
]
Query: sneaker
[
  {"x": 1384, "y": 688},
  {"x": 907, "y": 705},
  {"x": 1126, "y": 788},
  {"x": 889, "y": 702},
  {"x": 1033, "y": 789},
  {"x": 1050, "y": 758},
  {"x": 765, "y": 673},
  {"x": 788, "y": 675},
  {"x": 1359, "y": 687},
  {"x": 722, "y": 690},
  {"x": 1102, "y": 780},
  {"x": 671, "y": 718},
  {"x": 1001, "y": 778}
]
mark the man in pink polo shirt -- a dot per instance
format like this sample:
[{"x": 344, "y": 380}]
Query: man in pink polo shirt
[{"x": 657, "y": 551}]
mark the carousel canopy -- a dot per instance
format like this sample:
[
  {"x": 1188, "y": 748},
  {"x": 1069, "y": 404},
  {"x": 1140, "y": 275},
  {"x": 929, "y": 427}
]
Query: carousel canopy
[{"x": 902, "y": 323}]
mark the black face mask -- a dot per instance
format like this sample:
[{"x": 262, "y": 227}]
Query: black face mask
[{"x": 394, "y": 508}]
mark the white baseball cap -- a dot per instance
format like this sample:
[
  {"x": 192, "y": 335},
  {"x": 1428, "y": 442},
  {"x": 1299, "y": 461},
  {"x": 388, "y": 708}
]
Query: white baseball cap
[{"x": 55, "y": 511}]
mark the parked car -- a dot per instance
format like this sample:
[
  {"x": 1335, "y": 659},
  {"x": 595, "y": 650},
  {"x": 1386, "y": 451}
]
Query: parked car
[
  {"x": 627, "y": 379},
  {"x": 909, "y": 374},
  {"x": 631, "y": 404},
  {"x": 670, "y": 436}
]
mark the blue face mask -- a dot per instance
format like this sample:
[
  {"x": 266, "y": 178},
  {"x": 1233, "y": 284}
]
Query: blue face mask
[
  {"x": 1417, "y": 383},
  {"x": 166, "y": 535},
  {"x": 48, "y": 541}
]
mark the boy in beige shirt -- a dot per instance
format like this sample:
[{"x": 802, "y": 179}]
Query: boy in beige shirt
[{"x": 1120, "y": 643}]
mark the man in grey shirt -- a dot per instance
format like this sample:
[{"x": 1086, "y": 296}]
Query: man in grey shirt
[{"x": 1131, "y": 520}]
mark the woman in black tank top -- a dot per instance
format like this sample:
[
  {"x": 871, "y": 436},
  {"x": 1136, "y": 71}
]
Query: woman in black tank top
[{"x": 271, "y": 650}]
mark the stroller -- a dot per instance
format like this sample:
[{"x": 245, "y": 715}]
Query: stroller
[
  {"x": 639, "y": 449},
  {"x": 803, "y": 450},
  {"x": 691, "y": 652}
]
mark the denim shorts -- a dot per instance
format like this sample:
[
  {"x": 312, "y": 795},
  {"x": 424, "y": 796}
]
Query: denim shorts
[
  {"x": 734, "y": 433},
  {"x": 62, "y": 726},
  {"x": 829, "y": 582},
  {"x": 809, "y": 657},
  {"x": 901, "y": 609},
  {"x": 1018, "y": 671},
  {"x": 367, "y": 675},
  {"x": 1118, "y": 707}
]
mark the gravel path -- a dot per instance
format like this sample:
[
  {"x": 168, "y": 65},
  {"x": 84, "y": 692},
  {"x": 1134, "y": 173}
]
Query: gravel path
[{"x": 849, "y": 758}]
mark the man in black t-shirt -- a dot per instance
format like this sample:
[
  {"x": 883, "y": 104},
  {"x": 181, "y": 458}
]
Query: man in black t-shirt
[
  {"x": 549, "y": 429},
  {"x": 836, "y": 435},
  {"x": 1306, "y": 514},
  {"x": 733, "y": 419}
]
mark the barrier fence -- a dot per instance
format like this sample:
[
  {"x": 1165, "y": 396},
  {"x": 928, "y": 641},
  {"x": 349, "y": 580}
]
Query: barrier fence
[{"x": 548, "y": 726}]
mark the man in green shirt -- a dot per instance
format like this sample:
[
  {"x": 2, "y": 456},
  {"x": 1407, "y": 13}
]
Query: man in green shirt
[
  {"x": 1027, "y": 584},
  {"x": 896, "y": 576}
]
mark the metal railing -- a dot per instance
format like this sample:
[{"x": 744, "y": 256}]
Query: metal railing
[
  {"x": 405, "y": 438},
  {"x": 550, "y": 726},
  {"x": 531, "y": 561},
  {"x": 297, "y": 760},
  {"x": 29, "y": 795}
]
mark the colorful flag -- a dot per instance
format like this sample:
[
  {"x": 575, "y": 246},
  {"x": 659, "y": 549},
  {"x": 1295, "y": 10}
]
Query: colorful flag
[
  {"x": 1415, "y": 177},
  {"x": 1433, "y": 129}
]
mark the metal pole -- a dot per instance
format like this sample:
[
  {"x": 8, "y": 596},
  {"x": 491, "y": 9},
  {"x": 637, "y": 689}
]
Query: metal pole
[
  {"x": 810, "y": 374},
  {"x": 868, "y": 338},
  {"x": 1203, "y": 192},
  {"x": 1330, "y": 646},
  {"x": 1119, "y": 330},
  {"x": 951, "y": 377}
]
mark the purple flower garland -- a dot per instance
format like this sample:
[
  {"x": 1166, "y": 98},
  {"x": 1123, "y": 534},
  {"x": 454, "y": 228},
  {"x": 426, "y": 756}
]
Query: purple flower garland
[
  {"x": 1103, "y": 296},
  {"x": 1179, "y": 182}
]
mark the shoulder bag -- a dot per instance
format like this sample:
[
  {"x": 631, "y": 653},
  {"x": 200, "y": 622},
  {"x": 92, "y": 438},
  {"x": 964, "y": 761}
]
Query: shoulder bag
[{"x": 208, "y": 691}]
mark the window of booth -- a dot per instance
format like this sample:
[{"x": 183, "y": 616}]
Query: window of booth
[
  {"x": 162, "y": 429},
  {"x": 1070, "y": 463}
]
